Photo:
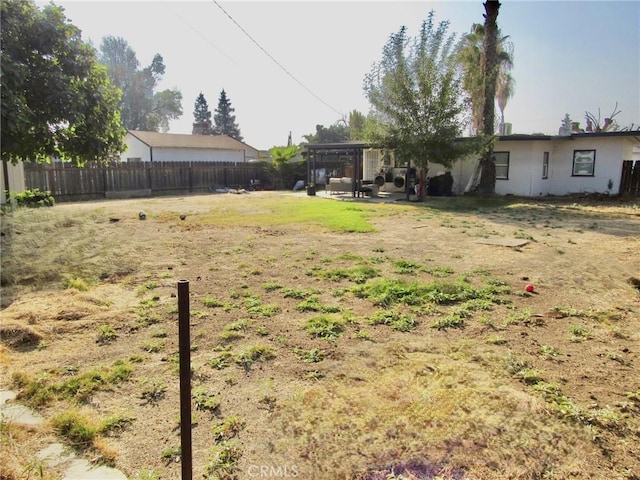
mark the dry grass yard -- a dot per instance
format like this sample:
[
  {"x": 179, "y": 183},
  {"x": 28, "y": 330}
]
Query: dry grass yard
[{"x": 330, "y": 339}]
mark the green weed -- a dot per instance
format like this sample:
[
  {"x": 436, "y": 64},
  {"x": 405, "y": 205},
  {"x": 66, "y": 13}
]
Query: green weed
[
  {"x": 204, "y": 400},
  {"x": 222, "y": 463},
  {"x": 250, "y": 355},
  {"x": 579, "y": 333},
  {"x": 228, "y": 429},
  {"x": 325, "y": 326},
  {"x": 402, "y": 322},
  {"x": 106, "y": 334}
]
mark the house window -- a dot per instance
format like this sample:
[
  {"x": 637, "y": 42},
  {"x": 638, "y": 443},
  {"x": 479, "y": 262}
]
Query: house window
[
  {"x": 583, "y": 163},
  {"x": 501, "y": 161},
  {"x": 134, "y": 159},
  {"x": 545, "y": 165}
]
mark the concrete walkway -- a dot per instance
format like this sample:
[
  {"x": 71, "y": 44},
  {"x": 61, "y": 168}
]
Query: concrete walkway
[{"x": 56, "y": 454}]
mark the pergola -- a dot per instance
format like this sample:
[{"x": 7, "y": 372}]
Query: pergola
[{"x": 342, "y": 159}]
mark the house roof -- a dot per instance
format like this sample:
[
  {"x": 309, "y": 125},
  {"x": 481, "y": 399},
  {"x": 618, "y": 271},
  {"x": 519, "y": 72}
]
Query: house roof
[{"x": 179, "y": 140}]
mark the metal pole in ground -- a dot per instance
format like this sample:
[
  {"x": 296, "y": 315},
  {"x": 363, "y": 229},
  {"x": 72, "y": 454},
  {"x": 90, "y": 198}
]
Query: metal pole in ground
[{"x": 184, "y": 342}]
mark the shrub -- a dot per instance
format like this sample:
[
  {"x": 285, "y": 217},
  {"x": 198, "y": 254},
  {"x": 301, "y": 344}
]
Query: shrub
[{"x": 33, "y": 198}]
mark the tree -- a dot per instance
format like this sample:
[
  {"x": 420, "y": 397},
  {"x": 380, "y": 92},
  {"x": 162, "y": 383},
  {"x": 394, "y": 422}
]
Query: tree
[
  {"x": 282, "y": 171},
  {"x": 505, "y": 88},
  {"x": 57, "y": 101},
  {"x": 470, "y": 56},
  {"x": 487, "y": 184},
  {"x": 416, "y": 96},
  {"x": 202, "y": 117},
  {"x": 142, "y": 107},
  {"x": 224, "y": 120},
  {"x": 336, "y": 133},
  {"x": 357, "y": 125}
]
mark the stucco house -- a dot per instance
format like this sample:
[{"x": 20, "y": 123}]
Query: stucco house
[
  {"x": 175, "y": 147},
  {"x": 535, "y": 165},
  {"x": 526, "y": 165}
]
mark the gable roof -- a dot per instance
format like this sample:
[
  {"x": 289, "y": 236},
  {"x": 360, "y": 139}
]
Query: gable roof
[{"x": 180, "y": 140}]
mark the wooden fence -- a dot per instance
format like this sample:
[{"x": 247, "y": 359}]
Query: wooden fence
[
  {"x": 68, "y": 183},
  {"x": 630, "y": 181}
]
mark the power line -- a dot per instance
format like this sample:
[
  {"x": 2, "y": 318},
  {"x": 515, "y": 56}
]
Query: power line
[
  {"x": 275, "y": 61},
  {"x": 205, "y": 38}
]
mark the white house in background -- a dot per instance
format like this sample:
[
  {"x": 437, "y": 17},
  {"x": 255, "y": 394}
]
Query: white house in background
[
  {"x": 535, "y": 165},
  {"x": 175, "y": 147}
]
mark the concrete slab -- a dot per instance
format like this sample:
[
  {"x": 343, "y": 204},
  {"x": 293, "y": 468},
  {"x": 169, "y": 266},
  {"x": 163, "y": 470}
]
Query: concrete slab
[
  {"x": 21, "y": 415},
  {"x": 503, "y": 242},
  {"x": 83, "y": 470},
  {"x": 6, "y": 395},
  {"x": 55, "y": 454}
]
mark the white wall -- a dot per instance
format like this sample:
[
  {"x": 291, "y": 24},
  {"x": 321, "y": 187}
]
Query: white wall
[
  {"x": 197, "y": 155},
  {"x": 135, "y": 149},
  {"x": 525, "y": 167},
  {"x": 608, "y": 166}
]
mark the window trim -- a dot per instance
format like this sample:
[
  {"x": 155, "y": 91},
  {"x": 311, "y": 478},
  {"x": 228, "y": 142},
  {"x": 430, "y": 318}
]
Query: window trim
[
  {"x": 545, "y": 165},
  {"x": 508, "y": 164},
  {"x": 584, "y": 152}
]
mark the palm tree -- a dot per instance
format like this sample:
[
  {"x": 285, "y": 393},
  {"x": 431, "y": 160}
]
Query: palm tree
[
  {"x": 470, "y": 57},
  {"x": 504, "y": 91},
  {"x": 490, "y": 73}
]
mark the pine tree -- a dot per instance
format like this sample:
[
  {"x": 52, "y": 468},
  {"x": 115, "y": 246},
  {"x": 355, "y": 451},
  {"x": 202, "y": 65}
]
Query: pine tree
[
  {"x": 224, "y": 120},
  {"x": 202, "y": 117}
]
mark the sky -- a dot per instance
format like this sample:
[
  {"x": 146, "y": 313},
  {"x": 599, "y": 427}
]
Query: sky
[{"x": 291, "y": 65}]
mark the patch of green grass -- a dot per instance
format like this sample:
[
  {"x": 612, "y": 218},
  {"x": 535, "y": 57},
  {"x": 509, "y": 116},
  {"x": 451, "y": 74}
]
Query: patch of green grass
[
  {"x": 405, "y": 267},
  {"x": 228, "y": 429},
  {"x": 299, "y": 293},
  {"x": 357, "y": 274},
  {"x": 153, "y": 345},
  {"x": 222, "y": 462},
  {"x": 230, "y": 336},
  {"x": 147, "y": 286},
  {"x": 549, "y": 351},
  {"x": 238, "y": 325},
  {"x": 262, "y": 330},
  {"x": 335, "y": 216},
  {"x": 402, "y": 322},
  {"x": 386, "y": 292},
  {"x": 312, "y": 304},
  {"x": 212, "y": 302},
  {"x": 221, "y": 360},
  {"x": 363, "y": 335},
  {"x": 271, "y": 286},
  {"x": 496, "y": 340},
  {"x": 254, "y": 305},
  {"x": 172, "y": 455},
  {"x": 153, "y": 390},
  {"x": 579, "y": 333},
  {"x": 438, "y": 271},
  {"x": 43, "y": 389},
  {"x": 454, "y": 320},
  {"x": 313, "y": 355},
  {"x": 77, "y": 284},
  {"x": 204, "y": 400},
  {"x": 252, "y": 354},
  {"x": 325, "y": 326},
  {"x": 106, "y": 334}
]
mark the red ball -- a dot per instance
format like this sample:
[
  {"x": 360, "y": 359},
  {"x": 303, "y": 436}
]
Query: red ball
[{"x": 529, "y": 288}]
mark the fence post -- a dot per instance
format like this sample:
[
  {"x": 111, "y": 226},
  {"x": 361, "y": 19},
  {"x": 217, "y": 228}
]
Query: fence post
[{"x": 184, "y": 343}]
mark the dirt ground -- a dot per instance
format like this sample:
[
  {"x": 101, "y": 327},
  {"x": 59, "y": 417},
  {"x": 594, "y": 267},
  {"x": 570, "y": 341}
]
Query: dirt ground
[{"x": 308, "y": 417}]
